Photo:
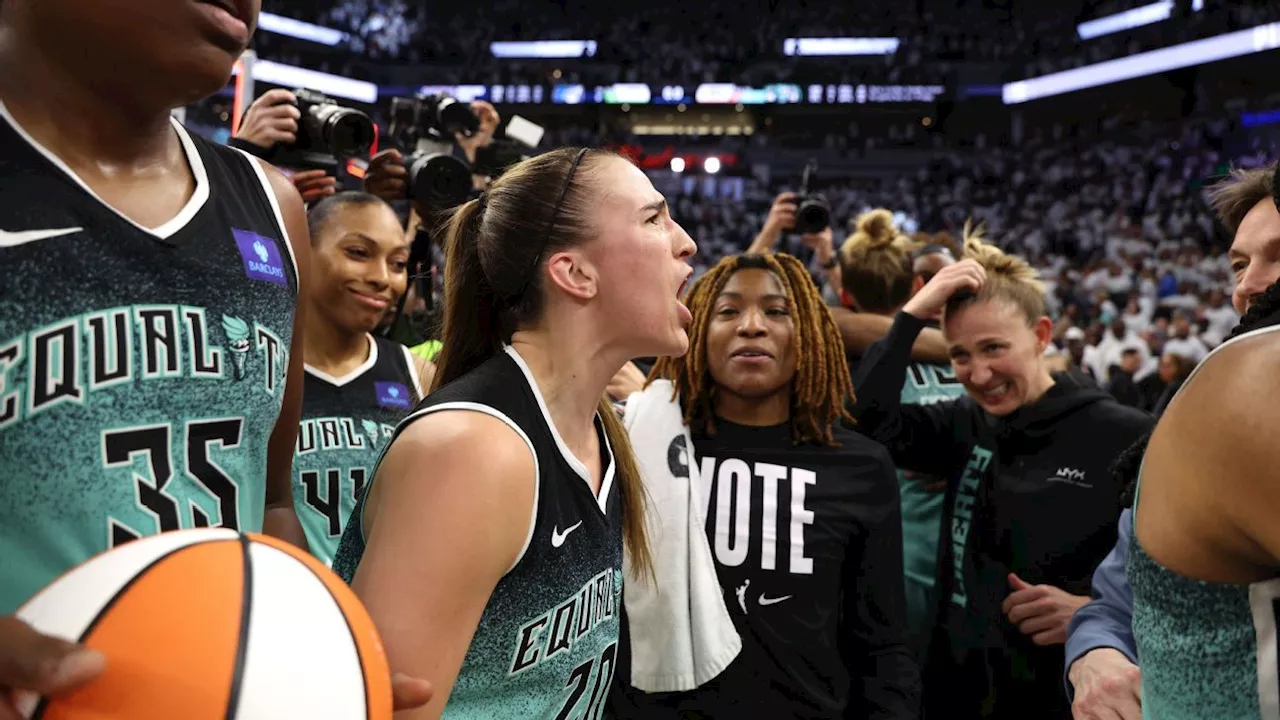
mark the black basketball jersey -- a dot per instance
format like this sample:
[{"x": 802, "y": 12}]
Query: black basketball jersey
[
  {"x": 345, "y": 424},
  {"x": 546, "y": 645},
  {"x": 141, "y": 369},
  {"x": 808, "y": 550}
]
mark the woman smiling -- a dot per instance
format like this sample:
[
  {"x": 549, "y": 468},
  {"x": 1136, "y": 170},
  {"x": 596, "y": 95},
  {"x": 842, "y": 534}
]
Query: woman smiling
[{"x": 1031, "y": 507}]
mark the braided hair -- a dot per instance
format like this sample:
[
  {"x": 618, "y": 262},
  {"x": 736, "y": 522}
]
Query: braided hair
[
  {"x": 1264, "y": 312},
  {"x": 821, "y": 383}
]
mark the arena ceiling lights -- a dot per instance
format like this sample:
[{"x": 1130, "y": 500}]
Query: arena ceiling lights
[
  {"x": 290, "y": 76},
  {"x": 1127, "y": 20},
  {"x": 289, "y": 27},
  {"x": 839, "y": 47},
  {"x": 1175, "y": 57},
  {"x": 544, "y": 49}
]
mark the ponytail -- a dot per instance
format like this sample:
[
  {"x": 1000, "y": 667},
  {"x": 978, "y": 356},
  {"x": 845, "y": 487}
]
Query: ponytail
[
  {"x": 626, "y": 473},
  {"x": 472, "y": 332}
]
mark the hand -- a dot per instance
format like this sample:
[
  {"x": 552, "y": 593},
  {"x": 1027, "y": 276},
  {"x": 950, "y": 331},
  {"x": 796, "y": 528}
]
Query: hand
[
  {"x": 489, "y": 121},
  {"x": 41, "y": 664},
  {"x": 782, "y": 216},
  {"x": 928, "y": 303},
  {"x": 409, "y": 693},
  {"x": 820, "y": 241},
  {"x": 1041, "y": 611},
  {"x": 628, "y": 380},
  {"x": 387, "y": 177},
  {"x": 1108, "y": 686},
  {"x": 272, "y": 119},
  {"x": 314, "y": 185}
]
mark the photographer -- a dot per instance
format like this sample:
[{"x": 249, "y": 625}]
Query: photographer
[
  {"x": 389, "y": 178},
  {"x": 272, "y": 120},
  {"x": 858, "y": 330}
]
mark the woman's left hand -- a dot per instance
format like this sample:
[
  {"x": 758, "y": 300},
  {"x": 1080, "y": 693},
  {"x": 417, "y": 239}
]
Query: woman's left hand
[{"x": 1041, "y": 611}]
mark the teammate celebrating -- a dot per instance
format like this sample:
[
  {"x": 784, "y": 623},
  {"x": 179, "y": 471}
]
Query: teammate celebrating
[
  {"x": 880, "y": 272},
  {"x": 1031, "y": 504},
  {"x": 150, "y": 372},
  {"x": 813, "y": 578},
  {"x": 357, "y": 386},
  {"x": 489, "y": 547}
]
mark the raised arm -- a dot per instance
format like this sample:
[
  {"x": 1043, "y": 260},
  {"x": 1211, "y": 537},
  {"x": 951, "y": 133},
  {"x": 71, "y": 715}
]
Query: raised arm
[
  {"x": 449, "y": 513},
  {"x": 861, "y": 330}
]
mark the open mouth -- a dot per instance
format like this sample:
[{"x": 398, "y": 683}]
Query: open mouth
[
  {"x": 995, "y": 394},
  {"x": 751, "y": 353}
]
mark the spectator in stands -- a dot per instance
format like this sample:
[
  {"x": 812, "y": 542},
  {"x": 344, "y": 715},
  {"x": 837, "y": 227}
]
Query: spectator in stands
[
  {"x": 1183, "y": 342},
  {"x": 1122, "y": 385}
]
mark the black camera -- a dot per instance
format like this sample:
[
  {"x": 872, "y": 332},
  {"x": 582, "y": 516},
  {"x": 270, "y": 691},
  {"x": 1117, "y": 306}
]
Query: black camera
[
  {"x": 813, "y": 212},
  {"x": 326, "y": 131},
  {"x": 424, "y": 126}
]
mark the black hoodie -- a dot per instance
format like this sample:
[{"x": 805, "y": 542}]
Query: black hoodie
[{"x": 1031, "y": 493}]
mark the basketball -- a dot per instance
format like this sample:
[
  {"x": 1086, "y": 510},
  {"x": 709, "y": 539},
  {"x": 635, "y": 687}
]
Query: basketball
[{"x": 212, "y": 624}]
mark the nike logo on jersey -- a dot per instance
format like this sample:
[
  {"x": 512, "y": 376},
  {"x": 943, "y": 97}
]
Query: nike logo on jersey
[
  {"x": 22, "y": 237},
  {"x": 766, "y": 601},
  {"x": 558, "y": 538}
]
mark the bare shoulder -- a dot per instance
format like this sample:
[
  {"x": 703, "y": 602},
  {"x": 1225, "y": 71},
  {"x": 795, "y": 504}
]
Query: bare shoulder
[
  {"x": 1236, "y": 383},
  {"x": 485, "y": 451},
  {"x": 1208, "y": 489}
]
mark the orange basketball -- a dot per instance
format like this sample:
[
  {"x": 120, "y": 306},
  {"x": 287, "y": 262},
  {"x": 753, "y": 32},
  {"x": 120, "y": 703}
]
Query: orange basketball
[{"x": 213, "y": 625}]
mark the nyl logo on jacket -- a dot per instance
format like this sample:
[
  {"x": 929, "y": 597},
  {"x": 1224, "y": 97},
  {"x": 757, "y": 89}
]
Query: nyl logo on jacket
[{"x": 1071, "y": 476}]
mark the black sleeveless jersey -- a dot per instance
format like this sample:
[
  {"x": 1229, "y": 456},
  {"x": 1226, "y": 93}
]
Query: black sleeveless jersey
[
  {"x": 345, "y": 424},
  {"x": 141, "y": 369},
  {"x": 546, "y": 645}
]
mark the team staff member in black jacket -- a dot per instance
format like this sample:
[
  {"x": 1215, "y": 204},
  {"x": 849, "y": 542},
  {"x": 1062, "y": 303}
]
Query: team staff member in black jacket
[
  {"x": 1031, "y": 509},
  {"x": 803, "y": 515}
]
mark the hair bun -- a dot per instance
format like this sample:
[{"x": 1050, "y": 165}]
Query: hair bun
[
  {"x": 994, "y": 260},
  {"x": 877, "y": 225}
]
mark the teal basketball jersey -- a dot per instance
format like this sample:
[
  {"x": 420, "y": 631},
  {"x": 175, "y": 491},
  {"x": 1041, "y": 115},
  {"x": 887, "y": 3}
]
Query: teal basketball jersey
[
  {"x": 346, "y": 422},
  {"x": 921, "y": 509},
  {"x": 141, "y": 369},
  {"x": 547, "y": 643},
  {"x": 1206, "y": 649}
]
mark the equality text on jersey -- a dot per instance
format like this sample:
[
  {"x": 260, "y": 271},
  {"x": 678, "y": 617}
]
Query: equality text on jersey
[{"x": 67, "y": 361}]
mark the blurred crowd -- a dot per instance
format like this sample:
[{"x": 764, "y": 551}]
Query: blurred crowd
[
  {"x": 1117, "y": 224},
  {"x": 738, "y": 40}
]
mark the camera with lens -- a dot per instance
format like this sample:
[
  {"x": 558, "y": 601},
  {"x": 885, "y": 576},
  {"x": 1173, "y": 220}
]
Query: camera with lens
[
  {"x": 327, "y": 131},
  {"x": 425, "y": 126},
  {"x": 813, "y": 212}
]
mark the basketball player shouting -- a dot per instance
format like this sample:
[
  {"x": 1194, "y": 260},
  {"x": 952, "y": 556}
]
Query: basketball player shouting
[
  {"x": 811, "y": 569},
  {"x": 489, "y": 547},
  {"x": 357, "y": 386},
  {"x": 150, "y": 378}
]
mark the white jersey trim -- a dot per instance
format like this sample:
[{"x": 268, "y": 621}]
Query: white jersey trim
[
  {"x": 606, "y": 482},
  {"x": 494, "y": 413},
  {"x": 365, "y": 367},
  {"x": 412, "y": 360},
  {"x": 1262, "y": 603},
  {"x": 275, "y": 206},
  {"x": 167, "y": 229}
]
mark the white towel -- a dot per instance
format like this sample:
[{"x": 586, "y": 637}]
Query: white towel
[{"x": 681, "y": 633}]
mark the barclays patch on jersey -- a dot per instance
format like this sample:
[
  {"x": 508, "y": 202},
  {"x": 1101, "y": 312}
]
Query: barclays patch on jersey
[
  {"x": 393, "y": 395},
  {"x": 261, "y": 257}
]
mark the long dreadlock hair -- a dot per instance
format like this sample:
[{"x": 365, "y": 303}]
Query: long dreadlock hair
[
  {"x": 821, "y": 383},
  {"x": 1264, "y": 312}
]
